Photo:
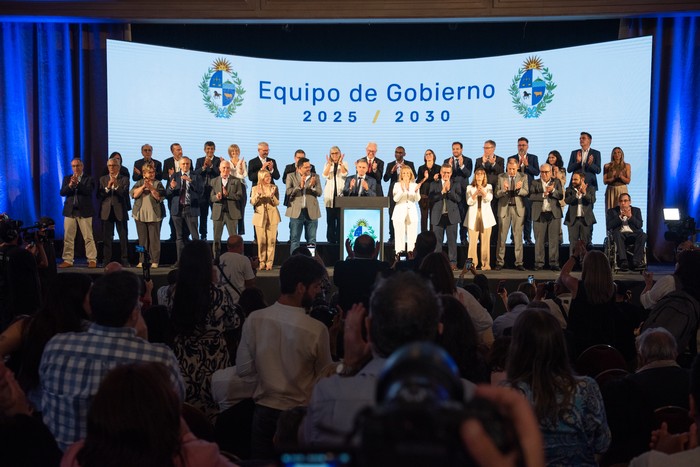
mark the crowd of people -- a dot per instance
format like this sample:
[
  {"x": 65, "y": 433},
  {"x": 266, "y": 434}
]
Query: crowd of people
[
  {"x": 464, "y": 200},
  {"x": 99, "y": 374}
]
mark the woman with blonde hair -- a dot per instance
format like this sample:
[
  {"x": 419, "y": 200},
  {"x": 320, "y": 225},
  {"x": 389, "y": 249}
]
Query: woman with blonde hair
[
  {"x": 405, "y": 216},
  {"x": 617, "y": 174},
  {"x": 480, "y": 218},
  {"x": 239, "y": 171},
  {"x": 335, "y": 172},
  {"x": 265, "y": 198},
  {"x": 148, "y": 194}
]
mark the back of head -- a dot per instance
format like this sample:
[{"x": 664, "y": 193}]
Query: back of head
[
  {"x": 364, "y": 246},
  {"x": 299, "y": 269},
  {"x": 515, "y": 299},
  {"x": 113, "y": 297},
  {"x": 528, "y": 289},
  {"x": 436, "y": 267},
  {"x": 425, "y": 244},
  {"x": 655, "y": 344},
  {"x": 459, "y": 338},
  {"x": 597, "y": 278},
  {"x": 403, "y": 308},
  {"x": 134, "y": 419}
]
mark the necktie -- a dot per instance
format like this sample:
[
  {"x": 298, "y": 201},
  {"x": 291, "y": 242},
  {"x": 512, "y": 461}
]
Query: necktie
[
  {"x": 335, "y": 183},
  {"x": 359, "y": 185}
]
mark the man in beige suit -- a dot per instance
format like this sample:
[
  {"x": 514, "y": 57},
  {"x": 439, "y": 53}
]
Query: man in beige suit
[
  {"x": 511, "y": 189},
  {"x": 226, "y": 192},
  {"x": 303, "y": 189}
]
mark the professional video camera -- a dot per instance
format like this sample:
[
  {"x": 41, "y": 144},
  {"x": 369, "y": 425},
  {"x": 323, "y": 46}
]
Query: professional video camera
[
  {"x": 41, "y": 231},
  {"x": 420, "y": 407}
]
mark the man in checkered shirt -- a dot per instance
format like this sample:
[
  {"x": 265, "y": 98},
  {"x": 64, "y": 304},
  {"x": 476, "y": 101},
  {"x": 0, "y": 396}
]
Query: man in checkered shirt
[{"x": 73, "y": 364}]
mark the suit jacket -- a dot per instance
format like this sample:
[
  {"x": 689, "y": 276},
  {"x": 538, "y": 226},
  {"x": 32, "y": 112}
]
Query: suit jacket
[
  {"x": 168, "y": 164},
  {"x": 196, "y": 192},
  {"x": 138, "y": 202},
  {"x": 393, "y": 178},
  {"x": 371, "y": 183},
  {"x": 435, "y": 170},
  {"x": 464, "y": 172},
  {"x": 139, "y": 165},
  {"x": 536, "y": 190},
  {"x": 207, "y": 174},
  {"x": 452, "y": 197},
  {"x": 82, "y": 193},
  {"x": 234, "y": 192},
  {"x": 122, "y": 171},
  {"x": 613, "y": 221},
  {"x": 117, "y": 198},
  {"x": 376, "y": 174},
  {"x": 289, "y": 169},
  {"x": 265, "y": 208},
  {"x": 254, "y": 166},
  {"x": 492, "y": 170},
  {"x": 503, "y": 196},
  {"x": 355, "y": 279},
  {"x": 586, "y": 201},
  {"x": 533, "y": 167},
  {"x": 589, "y": 170},
  {"x": 297, "y": 196}
]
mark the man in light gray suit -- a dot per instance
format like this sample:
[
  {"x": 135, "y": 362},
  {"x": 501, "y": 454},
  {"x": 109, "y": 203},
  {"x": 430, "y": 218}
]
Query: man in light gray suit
[
  {"x": 511, "y": 190},
  {"x": 545, "y": 195},
  {"x": 303, "y": 189},
  {"x": 445, "y": 213},
  {"x": 579, "y": 218},
  {"x": 226, "y": 192}
]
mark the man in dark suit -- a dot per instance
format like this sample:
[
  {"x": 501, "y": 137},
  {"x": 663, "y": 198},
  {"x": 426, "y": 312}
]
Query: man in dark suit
[
  {"x": 262, "y": 162},
  {"x": 356, "y": 276},
  {"x": 207, "y": 168},
  {"x": 113, "y": 194},
  {"x": 586, "y": 160},
  {"x": 528, "y": 165},
  {"x": 494, "y": 166},
  {"x": 375, "y": 166},
  {"x": 579, "y": 217},
  {"x": 511, "y": 192},
  {"x": 170, "y": 166},
  {"x": 545, "y": 195},
  {"x": 184, "y": 192},
  {"x": 461, "y": 171},
  {"x": 292, "y": 168},
  {"x": 393, "y": 171},
  {"x": 226, "y": 192},
  {"x": 360, "y": 184},
  {"x": 625, "y": 221},
  {"x": 445, "y": 196},
  {"x": 147, "y": 153},
  {"x": 77, "y": 214}
]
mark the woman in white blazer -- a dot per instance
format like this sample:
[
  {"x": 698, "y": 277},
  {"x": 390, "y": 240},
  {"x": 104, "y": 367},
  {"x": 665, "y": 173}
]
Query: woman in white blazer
[
  {"x": 480, "y": 218},
  {"x": 405, "y": 218}
]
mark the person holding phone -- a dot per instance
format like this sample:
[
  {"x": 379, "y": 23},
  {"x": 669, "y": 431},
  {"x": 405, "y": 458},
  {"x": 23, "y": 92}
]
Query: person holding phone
[
  {"x": 480, "y": 218},
  {"x": 405, "y": 216}
]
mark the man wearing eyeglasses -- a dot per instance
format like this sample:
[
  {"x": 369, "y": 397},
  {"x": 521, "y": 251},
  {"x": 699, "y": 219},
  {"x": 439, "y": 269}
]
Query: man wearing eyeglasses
[
  {"x": 147, "y": 153},
  {"x": 77, "y": 212},
  {"x": 494, "y": 166},
  {"x": 545, "y": 195},
  {"x": 375, "y": 166}
]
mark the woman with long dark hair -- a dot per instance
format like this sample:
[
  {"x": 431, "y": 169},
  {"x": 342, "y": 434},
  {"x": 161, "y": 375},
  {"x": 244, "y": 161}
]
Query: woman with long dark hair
[
  {"x": 569, "y": 408},
  {"x": 202, "y": 313},
  {"x": 135, "y": 420}
]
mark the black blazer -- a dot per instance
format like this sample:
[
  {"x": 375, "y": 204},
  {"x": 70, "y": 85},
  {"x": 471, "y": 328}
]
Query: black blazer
[
  {"x": 82, "y": 193},
  {"x": 613, "y": 221},
  {"x": 376, "y": 174},
  {"x": 254, "y": 166},
  {"x": 492, "y": 170},
  {"x": 196, "y": 192},
  {"x": 139, "y": 165}
]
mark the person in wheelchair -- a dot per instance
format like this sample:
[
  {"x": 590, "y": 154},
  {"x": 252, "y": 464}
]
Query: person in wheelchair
[{"x": 624, "y": 223}]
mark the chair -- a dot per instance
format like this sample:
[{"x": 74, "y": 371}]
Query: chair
[
  {"x": 677, "y": 418},
  {"x": 607, "y": 376},
  {"x": 598, "y": 358},
  {"x": 610, "y": 250},
  {"x": 199, "y": 424}
]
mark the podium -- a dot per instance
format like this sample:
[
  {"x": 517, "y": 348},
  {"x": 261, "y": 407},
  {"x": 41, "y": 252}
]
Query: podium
[{"x": 361, "y": 215}]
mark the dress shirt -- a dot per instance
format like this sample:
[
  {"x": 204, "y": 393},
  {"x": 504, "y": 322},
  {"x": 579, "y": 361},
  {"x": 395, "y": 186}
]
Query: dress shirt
[{"x": 74, "y": 364}]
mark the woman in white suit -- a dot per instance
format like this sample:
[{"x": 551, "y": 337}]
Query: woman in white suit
[
  {"x": 480, "y": 218},
  {"x": 405, "y": 217}
]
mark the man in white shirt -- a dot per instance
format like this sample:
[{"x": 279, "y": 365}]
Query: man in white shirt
[{"x": 235, "y": 271}]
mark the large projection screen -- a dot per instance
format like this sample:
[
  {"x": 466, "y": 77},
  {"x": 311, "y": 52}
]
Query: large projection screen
[{"x": 159, "y": 95}]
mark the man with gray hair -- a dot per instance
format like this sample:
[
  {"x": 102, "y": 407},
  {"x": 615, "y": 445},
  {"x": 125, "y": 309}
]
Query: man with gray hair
[{"x": 515, "y": 305}]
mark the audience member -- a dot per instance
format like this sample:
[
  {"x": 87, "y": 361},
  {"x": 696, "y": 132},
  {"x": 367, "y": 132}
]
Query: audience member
[
  {"x": 515, "y": 304},
  {"x": 252, "y": 299},
  {"x": 235, "y": 270},
  {"x": 356, "y": 276},
  {"x": 425, "y": 244}
]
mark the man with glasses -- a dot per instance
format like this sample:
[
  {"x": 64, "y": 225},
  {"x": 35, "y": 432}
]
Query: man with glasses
[
  {"x": 77, "y": 212},
  {"x": 528, "y": 165},
  {"x": 375, "y": 166},
  {"x": 624, "y": 222},
  {"x": 494, "y": 166},
  {"x": 147, "y": 153},
  {"x": 545, "y": 195}
]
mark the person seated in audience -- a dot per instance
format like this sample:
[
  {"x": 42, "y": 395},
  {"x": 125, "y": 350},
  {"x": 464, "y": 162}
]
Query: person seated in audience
[
  {"x": 436, "y": 267},
  {"x": 66, "y": 309},
  {"x": 678, "y": 450},
  {"x": 425, "y": 244},
  {"x": 74, "y": 363},
  {"x": 135, "y": 419},
  {"x": 625, "y": 222},
  {"x": 516, "y": 303},
  {"x": 356, "y": 276},
  {"x": 403, "y": 308},
  {"x": 569, "y": 408},
  {"x": 685, "y": 277},
  {"x": 557, "y": 297},
  {"x": 201, "y": 315},
  {"x": 630, "y": 402}
]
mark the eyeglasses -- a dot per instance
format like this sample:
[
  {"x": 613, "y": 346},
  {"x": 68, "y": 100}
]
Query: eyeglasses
[
  {"x": 545, "y": 171},
  {"x": 488, "y": 147}
]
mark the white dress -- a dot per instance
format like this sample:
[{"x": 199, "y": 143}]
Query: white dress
[{"x": 405, "y": 216}]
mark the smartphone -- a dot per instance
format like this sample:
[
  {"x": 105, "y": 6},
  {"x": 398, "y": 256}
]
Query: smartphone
[
  {"x": 501, "y": 286},
  {"x": 531, "y": 279},
  {"x": 403, "y": 256},
  {"x": 468, "y": 264}
]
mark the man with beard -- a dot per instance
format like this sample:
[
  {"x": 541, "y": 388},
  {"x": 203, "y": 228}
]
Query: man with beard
[
  {"x": 285, "y": 348},
  {"x": 580, "y": 218}
]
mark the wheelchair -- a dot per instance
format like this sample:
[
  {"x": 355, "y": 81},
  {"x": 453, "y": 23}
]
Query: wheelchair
[{"x": 610, "y": 250}]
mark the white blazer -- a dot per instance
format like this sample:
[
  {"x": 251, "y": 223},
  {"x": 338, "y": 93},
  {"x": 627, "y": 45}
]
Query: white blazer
[
  {"x": 487, "y": 216},
  {"x": 405, "y": 204}
]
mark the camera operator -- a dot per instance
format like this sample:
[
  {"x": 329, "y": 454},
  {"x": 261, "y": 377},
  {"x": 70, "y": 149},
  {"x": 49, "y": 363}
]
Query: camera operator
[{"x": 20, "y": 290}]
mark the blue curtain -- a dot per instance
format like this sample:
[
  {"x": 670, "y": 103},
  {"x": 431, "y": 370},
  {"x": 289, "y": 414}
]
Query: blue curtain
[
  {"x": 674, "y": 169},
  {"x": 53, "y": 107}
]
